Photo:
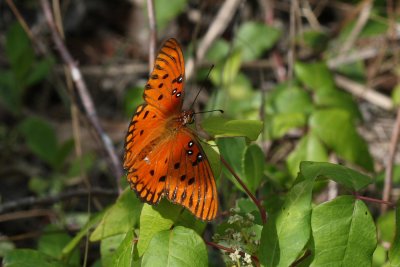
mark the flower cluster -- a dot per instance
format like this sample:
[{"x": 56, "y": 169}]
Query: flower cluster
[{"x": 241, "y": 234}]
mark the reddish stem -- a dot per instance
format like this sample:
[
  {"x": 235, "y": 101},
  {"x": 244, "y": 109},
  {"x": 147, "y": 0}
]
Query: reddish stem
[
  {"x": 255, "y": 200},
  {"x": 374, "y": 200}
]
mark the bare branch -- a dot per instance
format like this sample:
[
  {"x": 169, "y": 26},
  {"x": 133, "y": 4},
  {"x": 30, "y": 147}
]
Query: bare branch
[
  {"x": 151, "y": 12},
  {"x": 83, "y": 92}
]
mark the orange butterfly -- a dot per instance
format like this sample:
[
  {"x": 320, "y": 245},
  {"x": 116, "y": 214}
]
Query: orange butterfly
[{"x": 163, "y": 156}]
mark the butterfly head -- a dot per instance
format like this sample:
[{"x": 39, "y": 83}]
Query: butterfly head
[{"x": 186, "y": 117}]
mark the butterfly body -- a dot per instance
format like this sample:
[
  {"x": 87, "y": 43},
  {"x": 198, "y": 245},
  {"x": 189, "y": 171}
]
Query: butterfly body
[{"x": 163, "y": 156}]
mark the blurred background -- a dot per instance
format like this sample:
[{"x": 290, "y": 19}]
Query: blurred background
[{"x": 323, "y": 77}]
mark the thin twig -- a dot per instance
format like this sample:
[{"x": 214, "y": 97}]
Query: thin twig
[
  {"x": 83, "y": 93},
  {"x": 231, "y": 250},
  {"x": 31, "y": 201},
  {"x": 25, "y": 26},
  {"x": 373, "y": 200},
  {"x": 151, "y": 12},
  {"x": 360, "y": 23},
  {"x": 255, "y": 200},
  {"x": 224, "y": 16},
  {"x": 364, "y": 92},
  {"x": 387, "y": 188}
]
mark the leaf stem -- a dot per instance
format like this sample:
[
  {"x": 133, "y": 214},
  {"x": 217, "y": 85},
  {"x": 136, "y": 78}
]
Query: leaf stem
[
  {"x": 370, "y": 199},
  {"x": 255, "y": 200}
]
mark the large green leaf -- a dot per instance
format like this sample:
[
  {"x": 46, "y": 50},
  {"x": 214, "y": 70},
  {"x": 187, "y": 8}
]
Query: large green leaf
[
  {"x": 176, "y": 248},
  {"x": 344, "y": 233},
  {"x": 340, "y": 174},
  {"x": 310, "y": 148},
  {"x": 30, "y": 258},
  {"x": 125, "y": 256},
  {"x": 154, "y": 219},
  {"x": 120, "y": 218},
  {"x": 286, "y": 233},
  {"x": 254, "y": 38},
  {"x": 221, "y": 127},
  {"x": 336, "y": 129},
  {"x": 253, "y": 166},
  {"x": 394, "y": 252},
  {"x": 316, "y": 75}
]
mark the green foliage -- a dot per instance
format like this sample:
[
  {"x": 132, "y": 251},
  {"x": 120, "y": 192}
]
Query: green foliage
[
  {"x": 166, "y": 247},
  {"x": 394, "y": 252},
  {"x": 29, "y": 258},
  {"x": 343, "y": 232},
  {"x": 166, "y": 11},
  {"x": 254, "y": 38},
  {"x": 119, "y": 218},
  {"x": 25, "y": 69}
]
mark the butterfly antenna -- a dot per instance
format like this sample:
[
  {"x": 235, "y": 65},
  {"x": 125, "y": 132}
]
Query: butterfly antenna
[
  {"x": 201, "y": 88},
  {"x": 207, "y": 111}
]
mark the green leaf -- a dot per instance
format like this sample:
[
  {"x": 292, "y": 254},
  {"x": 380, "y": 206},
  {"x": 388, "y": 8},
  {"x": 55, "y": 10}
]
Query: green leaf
[
  {"x": 225, "y": 74},
  {"x": 394, "y": 252},
  {"x": 337, "y": 99},
  {"x": 41, "y": 139},
  {"x": 344, "y": 232},
  {"x": 386, "y": 224},
  {"x": 68, "y": 248},
  {"x": 19, "y": 52},
  {"x": 316, "y": 75},
  {"x": 155, "y": 219},
  {"x": 291, "y": 99},
  {"x": 53, "y": 241},
  {"x": 218, "y": 50},
  {"x": 379, "y": 256},
  {"x": 337, "y": 130},
  {"x": 286, "y": 233},
  {"x": 232, "y": 150},
  {"x": 124, "y": 256},
  {"x": 30, "y": 258},
  {"x": 396, "y": 95},
  {"x": 221, "y": 127},
  {"x": 120, "y": 218},
  {"x": 39, "y": 71},
  {"x": 253, "y": 166},
  {"x": 10, "y": 92},
  {"x": 309, "y": 148},
  {"x": 281, "y": 124},
  {"x": 5, "y": 247},
  {"x": 109, "y": 246},
  {"x": 133, "y": 98},
  {"x": 340, "y": 174},
  {"x": 254, "y": 38},
  {"x": 167, "y": 10},
  {"x": 188, "y": 220},
  {"x": 174, "y": 248},
  {"x": 316, "y": 40}
]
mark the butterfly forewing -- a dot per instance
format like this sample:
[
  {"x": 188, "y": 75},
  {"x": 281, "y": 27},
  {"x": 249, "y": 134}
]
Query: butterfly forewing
[
  {"x": 164, "y": 88},
  {"x": 163, "y": 156}
]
